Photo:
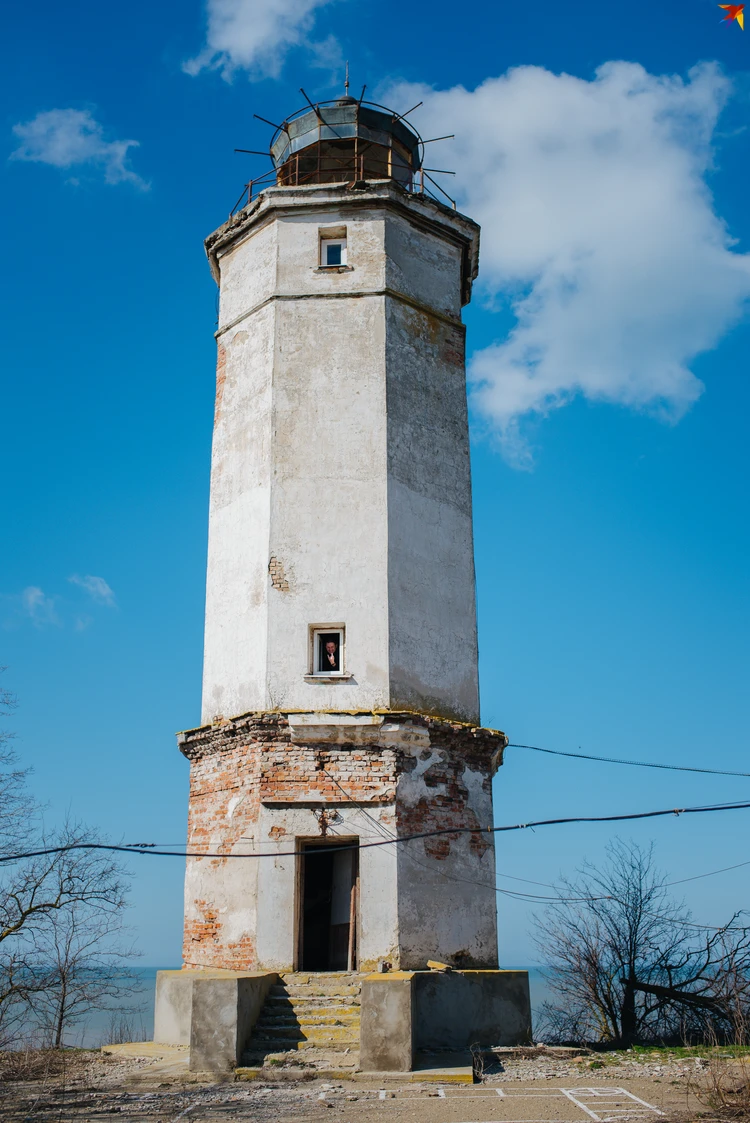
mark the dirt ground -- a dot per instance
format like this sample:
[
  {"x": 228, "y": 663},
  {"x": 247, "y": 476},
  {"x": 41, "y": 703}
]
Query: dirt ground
[{"x": 542, "y": 1089}]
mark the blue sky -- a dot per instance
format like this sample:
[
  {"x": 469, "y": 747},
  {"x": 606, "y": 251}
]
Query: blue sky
[{"x": 608, "y": 338}]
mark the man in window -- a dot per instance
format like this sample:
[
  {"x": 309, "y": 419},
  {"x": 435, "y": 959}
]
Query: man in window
[{"x": 329, "y": 655}]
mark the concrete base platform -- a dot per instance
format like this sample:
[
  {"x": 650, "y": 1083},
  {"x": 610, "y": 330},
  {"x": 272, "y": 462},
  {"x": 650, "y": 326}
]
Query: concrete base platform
[
  {"x": 171, "y": 1063},
  {"x": 430, "y": 1074},
  {"x": 408, "y": 1015},
  {"x": 166, "y": 1063}
]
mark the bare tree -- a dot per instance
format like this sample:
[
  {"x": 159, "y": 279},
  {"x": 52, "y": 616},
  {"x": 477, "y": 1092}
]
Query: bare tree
[
  {"x": 61, "y": 914},
  {"x": 60, "y": 918},
  {"x": 627, "y": 964},
  {"x": 18, "y": 812},
  {"x": 84, "y": 964}
]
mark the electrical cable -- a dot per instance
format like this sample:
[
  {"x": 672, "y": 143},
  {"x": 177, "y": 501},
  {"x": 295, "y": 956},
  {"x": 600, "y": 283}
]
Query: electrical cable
[
  {"x": 515, "y": 894},
  {"x": 711, "y": 873},
  {"x": 633, "y": 763},
  {"x": 384, "y": 842}
]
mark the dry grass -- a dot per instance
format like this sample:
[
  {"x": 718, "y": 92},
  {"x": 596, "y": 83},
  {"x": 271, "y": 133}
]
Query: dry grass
[
  {"x": 32, "y": 1064},
  {"x": 723, "y": 1085}
]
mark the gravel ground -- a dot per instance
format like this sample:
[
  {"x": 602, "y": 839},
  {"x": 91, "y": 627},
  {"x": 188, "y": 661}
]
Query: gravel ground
[{"x": 518, "y": 1090}]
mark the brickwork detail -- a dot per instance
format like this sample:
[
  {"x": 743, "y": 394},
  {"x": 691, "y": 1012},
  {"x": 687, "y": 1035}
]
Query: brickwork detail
[
  {"x": 278, "y": 575},
  {"x": 239, "y": 766}
]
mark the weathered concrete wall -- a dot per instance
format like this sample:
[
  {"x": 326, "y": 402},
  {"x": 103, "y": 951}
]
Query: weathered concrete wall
[
  {"x": 236, "y": 630},
  {"x": 224, "y": 1010},
  {"x": 172, "y": 1007},
  {"x": 431, "y": 598},
  {"x": 456, "y": 1009},
  {"x": 387, "y": 1022},
  {"x": 340, "y": 457},
  {"x": 328, "y": 503},
  {"x": 265, "y": 783},
  {"x": 447, "y": 901}
]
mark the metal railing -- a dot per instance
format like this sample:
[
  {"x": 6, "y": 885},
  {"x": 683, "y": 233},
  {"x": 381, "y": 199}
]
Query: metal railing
[{"x": 330, "y": 169}]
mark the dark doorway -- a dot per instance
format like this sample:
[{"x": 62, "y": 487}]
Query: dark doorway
[{"x": 329, "y": 906}]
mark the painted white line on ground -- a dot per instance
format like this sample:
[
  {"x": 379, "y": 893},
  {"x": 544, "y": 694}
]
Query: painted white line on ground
[
  {"x": 381, "y": 1094},
  {"x": 649, "y": 1106},
  {"x": 607, "y": 1098},
  {"x": 500, "y": 1093},
  {"x": 578, "y": 1103},
  {"x": 441, "y": 1093}
]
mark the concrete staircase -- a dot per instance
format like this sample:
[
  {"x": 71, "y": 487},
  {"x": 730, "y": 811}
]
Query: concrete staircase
[{"x": 309, "y": 1019}]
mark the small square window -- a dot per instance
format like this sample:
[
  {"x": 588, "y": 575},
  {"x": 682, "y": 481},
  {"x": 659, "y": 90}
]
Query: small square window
[
  {"x": 332, "y": 252},
  {"x": 327, "y": 651}
]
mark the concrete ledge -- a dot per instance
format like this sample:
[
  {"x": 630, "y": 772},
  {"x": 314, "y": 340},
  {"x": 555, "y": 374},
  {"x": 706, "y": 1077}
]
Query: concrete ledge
[
  {"x": 212, "y": 1011},
  {"x": 387, "y": 1022},
  {"x": 460, "y": 1075},
  {"x": 406, "y": 1013},
  {"x": 458, "y": 1009},
  {"x": 223, "y": 1013}
]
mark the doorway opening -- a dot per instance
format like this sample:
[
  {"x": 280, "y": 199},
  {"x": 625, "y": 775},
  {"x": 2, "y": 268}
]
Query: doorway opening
[{"x": 328, "y": 897}]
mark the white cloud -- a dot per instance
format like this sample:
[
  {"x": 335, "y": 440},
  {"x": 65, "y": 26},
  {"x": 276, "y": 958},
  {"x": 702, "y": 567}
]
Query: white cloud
[
  {"x": 599, "y": 232},
  {"x": 255, "y": 35},
  {"x": 96, "y": 587},
  {"x": 39, "y": 607},
  {"x": 69, "y": 138}
]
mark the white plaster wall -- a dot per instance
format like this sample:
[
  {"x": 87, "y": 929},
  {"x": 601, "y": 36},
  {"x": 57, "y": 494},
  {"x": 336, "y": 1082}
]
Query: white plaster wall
[
  {"x": 341, "y": 450},
  {"x": 328, "y": 509},
  {"x": 248, "y": 273},
  {"x": 278, "y": 923},
  {"x": 431, "y": 591},
  {"x": 298, "y": 238},
  {"x": 235, "y": 651},
  {"x": 423, "y": 266}
]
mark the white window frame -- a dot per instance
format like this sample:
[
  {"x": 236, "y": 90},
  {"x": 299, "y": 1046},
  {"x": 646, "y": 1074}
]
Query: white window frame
[
  {"x": 318, "y": 630},
  {"x": 324, "y": 244}
]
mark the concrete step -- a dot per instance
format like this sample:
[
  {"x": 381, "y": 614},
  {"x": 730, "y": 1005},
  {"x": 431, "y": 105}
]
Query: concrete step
[
  {"x": 329, "y": 1035},
  {"x": 325, "y": 1059},
  {"x": 294, "y": 1029},
  {"x": 312, "y": 998},
  {"x": 310, "y": 1009},
  {"x": 315, "y": 990},
  {"x": 315, "y": 1015},
  {"x": 283, "y": 1044},
  {"x": 348, "y": 1018},
  {"x": 302, "y": 976}
]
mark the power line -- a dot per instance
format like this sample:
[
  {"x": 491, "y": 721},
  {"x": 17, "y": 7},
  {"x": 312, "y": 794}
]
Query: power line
[
  {"x": 711, "y": 873},
  {"x": 141, "y": 849},
  {"x": 633, "y": 763},
  {"x": 516, "y": 894}
]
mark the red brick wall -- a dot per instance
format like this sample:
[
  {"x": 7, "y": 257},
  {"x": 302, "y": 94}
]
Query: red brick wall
[{"x": 237, "y": 765}]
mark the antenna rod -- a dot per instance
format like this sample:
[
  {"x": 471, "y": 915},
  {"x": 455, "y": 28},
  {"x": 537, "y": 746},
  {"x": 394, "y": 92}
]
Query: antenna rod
[
  {"x": 450, "y": 136},
  {"x": 314, "y": 108},
  {"x": 399, "y": 116},
  {"x": 346, "y": 82},
  {"x": 439, "y": 171},
  {"x": 361, "y": 96},
  {"x": 281, "y": 128},
  {"x": 253, "y": 152}
]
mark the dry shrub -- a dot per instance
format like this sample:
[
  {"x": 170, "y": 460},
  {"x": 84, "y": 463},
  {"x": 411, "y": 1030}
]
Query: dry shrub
[
  {"x": 31, "y": 1064},
  {"x": 723, "y": 1085}
]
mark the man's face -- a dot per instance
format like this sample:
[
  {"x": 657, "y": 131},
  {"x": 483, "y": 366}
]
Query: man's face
[{"x": 331, "y": 648}]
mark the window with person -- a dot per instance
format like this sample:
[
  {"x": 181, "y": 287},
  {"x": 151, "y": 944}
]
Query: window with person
[{"x": 329, "y": 653}]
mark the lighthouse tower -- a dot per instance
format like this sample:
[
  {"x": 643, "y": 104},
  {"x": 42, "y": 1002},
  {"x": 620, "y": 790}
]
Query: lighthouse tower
[{"x": 340, "y": 691}]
